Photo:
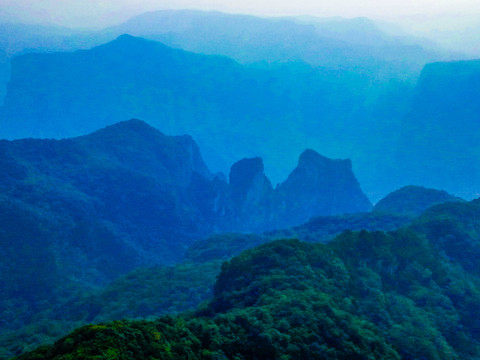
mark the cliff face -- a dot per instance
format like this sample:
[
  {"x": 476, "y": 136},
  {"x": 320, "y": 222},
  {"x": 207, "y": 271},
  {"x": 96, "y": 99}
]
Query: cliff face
[
  {"x": 318, "y": 186},
  {"x": 438, "y": 144},
  {"x": 251, "y": 194}
]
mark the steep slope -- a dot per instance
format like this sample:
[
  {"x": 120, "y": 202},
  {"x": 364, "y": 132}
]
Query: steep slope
[
  {"x": 320, "y": 186},
  {"x": 78, "y": 213},
  {"x": 441, "y": 130},
  {"x": 251, "y": 193}
]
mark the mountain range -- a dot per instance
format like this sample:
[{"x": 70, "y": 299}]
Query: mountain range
[
  {"x": 155, "y": 291},
  {"x": 246, "y": 38},
  {"x": 350, "y": 91},
  {"x": 238, "y": 256},
  {"x": 212, "y": 98},
  {"x": 78, "y": 213},
  {"x": 181, "y": 92}
]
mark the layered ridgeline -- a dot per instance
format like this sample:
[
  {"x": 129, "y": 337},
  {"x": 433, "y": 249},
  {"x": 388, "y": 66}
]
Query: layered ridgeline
[
  {"x": 132, "y": 179},
  {"x": 441, "y": 133},
  {"x": 286, "y": 107},
  {"x": 331, "y": 42},
  {"x": 343, "y": 42},
  {"x": 77, "y": 213},
  {"x": 152, "y": 292},
  {"x": 406, "y": 294},
  {"x": 212, "y": 98},
  {"x": 352, "y": 107}
]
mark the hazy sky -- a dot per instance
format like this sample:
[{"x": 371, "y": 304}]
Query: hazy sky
[{"x": 101, "y": 13}]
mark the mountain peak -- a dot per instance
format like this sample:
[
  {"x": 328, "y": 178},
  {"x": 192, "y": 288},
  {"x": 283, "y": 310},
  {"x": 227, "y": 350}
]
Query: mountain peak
[
  {"x": 126, "y": 44},
  {"x": 245, "y": 169},
  {"x": 312, "y": 158},
  {"x": 321, "y": 186},
  {"x": 125, "y": 128},
  {"x": 130, "y": 124},
  {"x": 130, "y": 39},
  {"x": 126, "y": 37},
  {"x": 244, "y": 175}
]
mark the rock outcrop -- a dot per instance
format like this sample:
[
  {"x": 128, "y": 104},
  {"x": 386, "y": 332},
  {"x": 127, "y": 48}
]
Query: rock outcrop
[{"x": 318, "y": 186}]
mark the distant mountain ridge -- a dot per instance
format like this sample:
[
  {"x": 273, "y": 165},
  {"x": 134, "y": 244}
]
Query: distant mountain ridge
[
  {"x": 412, "y": 200},
  {"x": 181, "y": 28},
  {"x": 345, "y": 43},
  {"x": 212, "y": 98},
  {"x": 322, "y": 83}
]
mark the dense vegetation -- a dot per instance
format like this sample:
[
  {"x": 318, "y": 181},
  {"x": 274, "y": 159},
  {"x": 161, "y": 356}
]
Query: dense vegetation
[
  {"x": 414, "y": 291},
  {"x": 365, "y": 295},
  {"x": 77, "y": 214}
]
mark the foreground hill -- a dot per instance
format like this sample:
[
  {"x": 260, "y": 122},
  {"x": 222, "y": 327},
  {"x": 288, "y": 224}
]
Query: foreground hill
[
  {"x": 152, "y": 292},
  {"x": 373, "y": 295}
]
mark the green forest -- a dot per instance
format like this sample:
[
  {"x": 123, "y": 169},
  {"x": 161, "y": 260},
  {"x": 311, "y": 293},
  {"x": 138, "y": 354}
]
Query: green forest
[{"x": 404, "y": 294}]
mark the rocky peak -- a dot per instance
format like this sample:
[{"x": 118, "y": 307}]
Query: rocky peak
[
  {"x": 137, "y": 145},
  {"x": 319, "y": 186},
  {"x": 316, "y": 169},
  {"x": 248, "y": 183}
]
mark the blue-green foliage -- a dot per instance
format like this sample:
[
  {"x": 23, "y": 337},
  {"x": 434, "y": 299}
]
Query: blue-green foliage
[
  {"x": 406, "y": 294},
  {"x": 365, "y": 295}
]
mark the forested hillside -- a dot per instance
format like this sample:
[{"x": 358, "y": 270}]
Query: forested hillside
[{"x": 371, "y": 295}]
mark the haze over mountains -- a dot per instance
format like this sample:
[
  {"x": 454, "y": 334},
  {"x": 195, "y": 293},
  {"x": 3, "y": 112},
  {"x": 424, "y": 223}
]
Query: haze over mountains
[
  {"x": 312, "y": 82},
  {"x": 80, "y": 212},
  {"x": 246, "y": 38},
  {"x": 252, "y": 130}
]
